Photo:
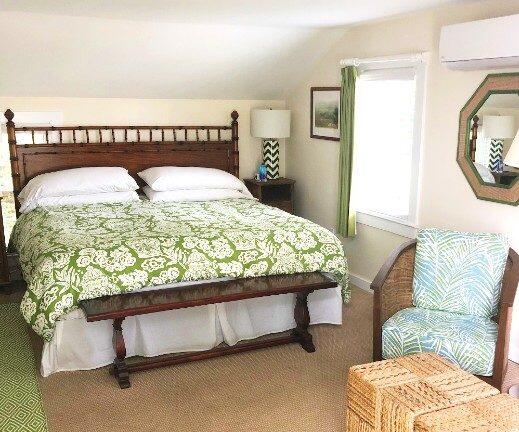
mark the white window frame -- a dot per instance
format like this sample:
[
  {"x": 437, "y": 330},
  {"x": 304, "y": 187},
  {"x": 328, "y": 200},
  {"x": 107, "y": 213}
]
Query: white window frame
[
  {"x": 33, "y": 119},
  {"x": 24, "y": 118},
  {"x": 30, "y": 119},
  {"x": 405, "y": 227},
  {"x": 38, "y": 118}
]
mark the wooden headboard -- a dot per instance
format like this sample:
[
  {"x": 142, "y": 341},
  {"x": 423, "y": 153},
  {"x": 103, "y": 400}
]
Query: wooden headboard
[
  {"x": 473, "y": 137},
  {"x": 48, "y": 149}
]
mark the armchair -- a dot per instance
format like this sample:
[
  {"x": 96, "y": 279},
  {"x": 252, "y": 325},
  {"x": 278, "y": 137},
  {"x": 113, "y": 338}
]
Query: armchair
[{"x": 393, "y": 292}]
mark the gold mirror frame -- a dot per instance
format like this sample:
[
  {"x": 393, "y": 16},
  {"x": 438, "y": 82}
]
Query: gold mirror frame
[{"x": 492, "y": 84}]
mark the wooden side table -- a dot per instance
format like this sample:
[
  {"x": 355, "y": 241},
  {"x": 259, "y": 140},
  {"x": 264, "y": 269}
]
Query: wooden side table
[
  {"x": 506, "y": 177},
  {"x": 276, "y": 193}
]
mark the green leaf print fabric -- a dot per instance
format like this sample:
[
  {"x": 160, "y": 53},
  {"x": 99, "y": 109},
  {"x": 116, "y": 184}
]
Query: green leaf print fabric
[
  {"x": 467, "y": 341},
  {"x": 73, "y": 253},
  {"x": 459, "y": 272}
]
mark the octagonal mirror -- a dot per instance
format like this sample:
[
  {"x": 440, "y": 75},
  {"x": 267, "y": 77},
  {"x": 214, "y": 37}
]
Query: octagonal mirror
[{"x": 488, "y": 145}]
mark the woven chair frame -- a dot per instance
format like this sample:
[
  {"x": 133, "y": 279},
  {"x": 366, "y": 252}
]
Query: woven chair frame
[{"x": 393, "y": 291}]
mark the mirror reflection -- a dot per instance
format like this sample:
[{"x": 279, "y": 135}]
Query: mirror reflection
[{"x": 494, "y": 139}]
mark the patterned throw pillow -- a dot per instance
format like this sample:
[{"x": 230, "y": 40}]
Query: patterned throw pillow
[{"x": 459, "y": 272}]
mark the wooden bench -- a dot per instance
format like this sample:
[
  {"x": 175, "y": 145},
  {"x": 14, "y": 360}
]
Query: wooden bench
[{"x": 118, "y": 307}]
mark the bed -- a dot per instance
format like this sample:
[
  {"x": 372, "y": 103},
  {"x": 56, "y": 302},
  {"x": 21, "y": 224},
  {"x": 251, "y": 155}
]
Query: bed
[{"x": 70, "y": 342}]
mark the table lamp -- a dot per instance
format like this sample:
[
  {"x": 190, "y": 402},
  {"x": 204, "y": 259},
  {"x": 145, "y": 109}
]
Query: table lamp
[
  {"x": 497, "y": 128},
  {"x": 512, "y": 157},
  {"x": 270, "y": 125}
]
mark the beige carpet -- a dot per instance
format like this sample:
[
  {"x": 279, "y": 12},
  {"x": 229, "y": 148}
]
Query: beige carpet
[{"x": 277, "y": 389}]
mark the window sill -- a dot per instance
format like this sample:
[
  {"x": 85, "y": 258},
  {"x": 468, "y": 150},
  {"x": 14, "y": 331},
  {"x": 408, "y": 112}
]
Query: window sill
[{"x": 401, "y": 228}]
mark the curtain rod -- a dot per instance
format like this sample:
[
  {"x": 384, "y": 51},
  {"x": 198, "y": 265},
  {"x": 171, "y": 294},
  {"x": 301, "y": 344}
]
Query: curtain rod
[{"x": 417, "y": 57}]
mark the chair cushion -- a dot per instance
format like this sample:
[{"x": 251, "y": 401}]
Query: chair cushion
[
  {"x": 467, "y": 341},
  {"x": 459, "y": 272}
]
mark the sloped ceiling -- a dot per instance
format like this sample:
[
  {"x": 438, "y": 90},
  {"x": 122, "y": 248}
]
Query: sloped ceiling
[
  {"x": 283, "y": 13},
  {"x": 44, "y": 55},
  {"x": 226, "y": 49}
]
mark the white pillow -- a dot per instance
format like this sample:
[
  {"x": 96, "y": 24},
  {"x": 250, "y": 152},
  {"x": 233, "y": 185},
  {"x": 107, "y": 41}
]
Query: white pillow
[
  {"x": 485, "y": 173},
  {"x": 27, "y": 206},
  {"x": 173, "y": 178},
  {"x": 78, "y": 181},
  {"x": 195, "y": 194}
]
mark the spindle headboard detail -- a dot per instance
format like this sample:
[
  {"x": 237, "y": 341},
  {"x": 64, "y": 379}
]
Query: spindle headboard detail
[
  {"x": 37, "y": 150},
  {"x": 473, "y": 137}
]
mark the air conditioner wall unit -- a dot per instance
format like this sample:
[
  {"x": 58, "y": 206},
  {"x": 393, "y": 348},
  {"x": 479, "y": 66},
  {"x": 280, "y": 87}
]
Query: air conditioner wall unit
[{"x": 486, "y": 44}]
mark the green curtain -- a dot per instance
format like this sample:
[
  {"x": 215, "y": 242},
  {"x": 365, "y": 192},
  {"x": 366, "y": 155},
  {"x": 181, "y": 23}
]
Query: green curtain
[{"x": 346, "y": 226}]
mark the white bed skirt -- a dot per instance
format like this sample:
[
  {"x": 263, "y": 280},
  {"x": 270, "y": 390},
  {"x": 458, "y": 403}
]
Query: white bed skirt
[{"x": 78, "y": 345}]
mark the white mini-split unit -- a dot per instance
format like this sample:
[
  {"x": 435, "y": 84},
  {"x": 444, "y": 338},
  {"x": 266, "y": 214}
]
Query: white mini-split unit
[{"x": 486, "y": 44}]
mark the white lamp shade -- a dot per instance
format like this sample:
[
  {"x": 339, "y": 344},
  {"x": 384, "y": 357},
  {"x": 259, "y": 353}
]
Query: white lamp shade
[
  {"x": 499, "y": 127},
  {"x": 512, "y": 156},
  {"x": 266, "y": 123}
]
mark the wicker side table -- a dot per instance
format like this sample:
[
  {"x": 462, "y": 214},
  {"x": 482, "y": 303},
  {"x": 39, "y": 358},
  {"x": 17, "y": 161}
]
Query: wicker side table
[
  {"x": 496, "y": 413},
  {"x": 387, "y": 396}
]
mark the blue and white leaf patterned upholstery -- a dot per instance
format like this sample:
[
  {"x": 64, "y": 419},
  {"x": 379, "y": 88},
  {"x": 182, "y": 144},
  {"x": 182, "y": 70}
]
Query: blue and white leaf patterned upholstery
[
  {"x": 465, "y": 340},
  {"x": 459, "y": 272}
]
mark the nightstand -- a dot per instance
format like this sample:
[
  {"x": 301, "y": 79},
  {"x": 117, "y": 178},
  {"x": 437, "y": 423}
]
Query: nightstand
[
  {"x": 276, "y": 193},
  {"x": 506, "y": 177}
]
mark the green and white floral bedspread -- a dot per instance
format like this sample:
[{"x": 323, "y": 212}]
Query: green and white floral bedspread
[{"x": 73, "y": 253}]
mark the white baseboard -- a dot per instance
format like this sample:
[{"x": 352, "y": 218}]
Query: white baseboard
[{"x": 360, "y": 282}]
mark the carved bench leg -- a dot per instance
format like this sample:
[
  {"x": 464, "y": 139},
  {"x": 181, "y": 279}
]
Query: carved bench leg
[
  {"x": 119, "y": 369},
  {"x": 302, "y": 318}
]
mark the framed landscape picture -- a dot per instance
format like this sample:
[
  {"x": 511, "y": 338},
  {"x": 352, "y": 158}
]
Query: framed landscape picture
[{"x": 324, "y": 112}]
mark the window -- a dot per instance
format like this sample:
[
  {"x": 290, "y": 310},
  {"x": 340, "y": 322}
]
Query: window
[
  {"x": 6, "y": 184},
  {"x": 388, "y": 128}
]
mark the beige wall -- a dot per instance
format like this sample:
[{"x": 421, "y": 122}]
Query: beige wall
[
  {"x": 446, "y": 200},
  {"x": 445, "y": 197},
  {"x": 156, "y": 111}
]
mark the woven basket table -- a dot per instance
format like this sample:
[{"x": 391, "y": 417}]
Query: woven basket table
[
  {"x": 387, "y": 396},
  {"x": 494, "y": 414}
]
